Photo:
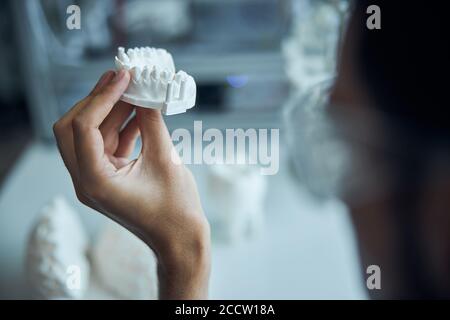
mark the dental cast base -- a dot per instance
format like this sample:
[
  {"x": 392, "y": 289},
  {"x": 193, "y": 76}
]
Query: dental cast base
[{"x": 154, "y": 83}]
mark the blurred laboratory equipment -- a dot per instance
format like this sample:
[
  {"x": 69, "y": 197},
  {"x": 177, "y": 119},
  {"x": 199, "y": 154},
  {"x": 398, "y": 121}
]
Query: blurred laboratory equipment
[
  {"x": 318, "y": 158},
  {"x": 56, "y": 262},
  {"x": 237, "y": 194},
  {"x": 316, "y": 155},
  {"x": 154, "y": 20},
  {"x": 310, "y": 50}
]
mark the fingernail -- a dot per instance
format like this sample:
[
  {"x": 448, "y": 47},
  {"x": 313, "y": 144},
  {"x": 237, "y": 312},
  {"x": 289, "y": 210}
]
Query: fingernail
[{"x": 119, "y": 75}]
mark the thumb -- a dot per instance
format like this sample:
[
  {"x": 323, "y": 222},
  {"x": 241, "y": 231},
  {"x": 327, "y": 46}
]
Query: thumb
[{"x": 156, "y": 140}]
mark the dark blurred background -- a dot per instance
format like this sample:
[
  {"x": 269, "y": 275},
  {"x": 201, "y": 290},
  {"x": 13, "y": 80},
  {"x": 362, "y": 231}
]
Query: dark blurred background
[{"x": 15, "y": 129}]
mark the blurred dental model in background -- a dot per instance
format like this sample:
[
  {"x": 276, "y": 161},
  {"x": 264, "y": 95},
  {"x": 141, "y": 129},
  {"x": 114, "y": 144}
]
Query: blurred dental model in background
[
  {"x": 56, "y": 261},
  {"x": 61, "y": 264},
  {"x": 124, "y": 265},
  {"x": 237, "y": 194}
]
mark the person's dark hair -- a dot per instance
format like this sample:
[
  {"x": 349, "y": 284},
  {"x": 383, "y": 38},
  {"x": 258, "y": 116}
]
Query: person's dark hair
[
  {"x": 405, "y": 67},
  {"x": 406, "y": 63}
]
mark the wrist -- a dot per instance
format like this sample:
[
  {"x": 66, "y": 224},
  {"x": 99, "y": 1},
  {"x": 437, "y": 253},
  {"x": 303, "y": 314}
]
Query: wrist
[
  {"x": 183, "y": 269},
  {"x": 188, "y": 249}
]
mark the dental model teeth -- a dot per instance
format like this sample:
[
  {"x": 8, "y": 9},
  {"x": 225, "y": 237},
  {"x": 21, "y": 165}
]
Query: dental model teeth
[
  {"x": 56, "y": 261},
  {"x": 154, "y": 82}
]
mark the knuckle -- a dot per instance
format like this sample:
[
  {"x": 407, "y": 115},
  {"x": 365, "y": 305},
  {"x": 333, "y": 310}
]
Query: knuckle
[
  {"x": 79, "y": 123},
  {"x": 164, "y": 165},
  {"x": 58, "y": 127},
  {"x": 171, "y": 172}
]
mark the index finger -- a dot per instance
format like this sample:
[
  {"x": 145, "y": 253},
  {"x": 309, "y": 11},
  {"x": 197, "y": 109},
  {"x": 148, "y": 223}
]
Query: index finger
[
  {"x": 104, "y": 100},
  {"x": 88, "y": 140},
  {"x": 63, "y": 127}
]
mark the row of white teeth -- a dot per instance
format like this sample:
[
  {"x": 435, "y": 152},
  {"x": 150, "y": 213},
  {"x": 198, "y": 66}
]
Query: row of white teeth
[
  {"x": 147, "y": 52},
  {"x": 149, "y": 79},
  {"x": 153, "y": 74},
  {"x": 162, "y": 88}
]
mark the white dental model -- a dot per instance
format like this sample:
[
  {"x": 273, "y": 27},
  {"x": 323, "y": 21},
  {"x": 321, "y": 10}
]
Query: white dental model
[
  {"x": 125, "y": 265},
  {"x": 154, "y": 83},
  {"x": 56, "y": 262},
  {"x": 237, "y": 194}
]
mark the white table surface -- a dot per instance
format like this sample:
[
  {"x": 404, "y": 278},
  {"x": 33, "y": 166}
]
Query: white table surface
[{"x": 306, "y": 252}]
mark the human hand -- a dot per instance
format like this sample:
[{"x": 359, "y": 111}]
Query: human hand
[{"x": 153, "y": 196}]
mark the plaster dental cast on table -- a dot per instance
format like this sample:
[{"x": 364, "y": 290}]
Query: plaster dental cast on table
[{"x": 154, "y": 83}]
